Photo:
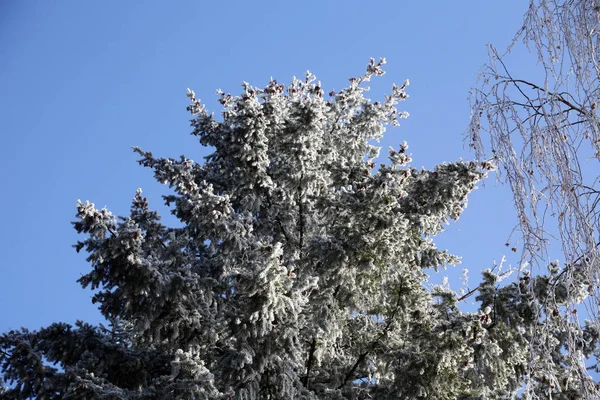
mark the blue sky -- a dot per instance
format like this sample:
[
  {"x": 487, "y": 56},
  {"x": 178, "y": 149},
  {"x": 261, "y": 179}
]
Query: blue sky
[{"x": 81, "y": 82}]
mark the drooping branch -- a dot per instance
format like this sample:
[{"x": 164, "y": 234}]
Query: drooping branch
[{"x": 548, "y": 146}]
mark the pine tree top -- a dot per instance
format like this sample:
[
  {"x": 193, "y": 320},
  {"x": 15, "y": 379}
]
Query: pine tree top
[{"x": 298, "y": 272}]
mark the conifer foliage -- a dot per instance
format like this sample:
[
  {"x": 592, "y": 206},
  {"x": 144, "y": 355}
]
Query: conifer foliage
[{"x": 299, "y": 271}]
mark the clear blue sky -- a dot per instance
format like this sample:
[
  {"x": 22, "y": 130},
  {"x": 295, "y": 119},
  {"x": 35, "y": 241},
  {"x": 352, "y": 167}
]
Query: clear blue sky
[{"x": 81, "y": 82}]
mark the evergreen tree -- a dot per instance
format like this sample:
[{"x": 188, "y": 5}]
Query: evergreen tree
[{"x": 299, "y": 272}]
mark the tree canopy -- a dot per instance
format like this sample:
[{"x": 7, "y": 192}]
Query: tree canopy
[{"x": 299, "y": 271}]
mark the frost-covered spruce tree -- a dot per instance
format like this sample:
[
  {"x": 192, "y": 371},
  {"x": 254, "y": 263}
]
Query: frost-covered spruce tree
[{"x": 299, "y": 271}]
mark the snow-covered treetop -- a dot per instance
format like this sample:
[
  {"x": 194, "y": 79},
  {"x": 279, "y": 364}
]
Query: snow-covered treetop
[{"x": 298, "y": 271}]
